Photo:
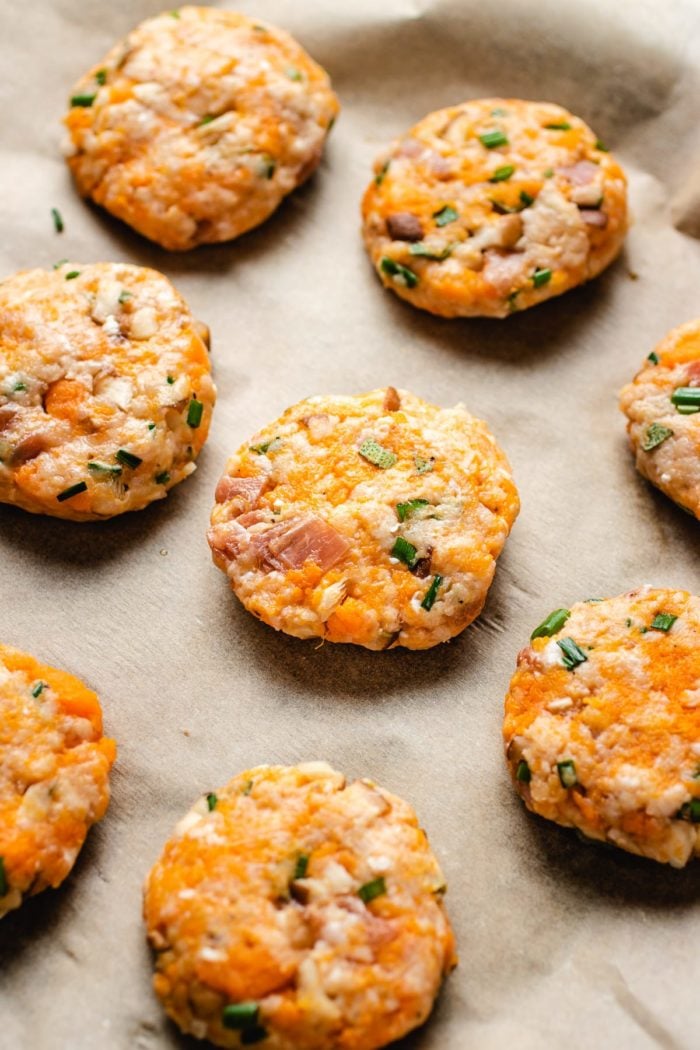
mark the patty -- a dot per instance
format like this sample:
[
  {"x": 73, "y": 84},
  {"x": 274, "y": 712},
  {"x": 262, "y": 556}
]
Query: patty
[
  {"x": 602, "y": 722},
  {"x": 374, "y": 519},
  {"x": 493, "y": 206},
  {"x": 196, "y": 126},
  {"x": 662, "y": 405},
  {"x": 54, "y": 770},
  {"x": 105, "y": 391},
  {"x": 298, "y": 911}
]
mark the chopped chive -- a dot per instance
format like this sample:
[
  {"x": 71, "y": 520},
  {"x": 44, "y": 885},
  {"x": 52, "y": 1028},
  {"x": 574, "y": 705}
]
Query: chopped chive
[
  {"x": 4, "y": 885},
  {"x": 686, "y": 397},
  {"x": 301, "y": 866},
  {"x": 572, "y": 655},
  {"x": 57, "y": 220},
  {"x": 18, "y": 388},
  {"x": 370, "y": 890},
  {"x": 492, "y": 139},
  {"x": 59, "y": 264},
  {"x": 265, "y": 446},
  {"x": 240, "y": 1015},
  {"x": 407, "y": 509},
  {"x": 206, "y": 120},
  {"x": 381, "y": 174},
  {"x": 73, "y": 490},
  {"x": 526, "y": 199},
  {"x": 151, "y": 426},
  {"x": 502, "y": 174},
  {"x": 163, "y": 478},
  {"x": 593, "y": 601},
  {"x": 170, "y": 380},
  {"x": 254, "y": 1034},
  {"x": 523, "y": 772},
  {"x": 421, "y": 248},
  {"x": 548, "y": 173},
  {"x": 552, "y": 624},
  {"x": 423, "y": 465},
  {"x": 96, "y": 466},
  {"x": 211, "y": 801},
  {"x": 512, "y": 305},
  {"x": 541, "y": 276},
  {"x": 175, "y": 14},
  {"x": 663, "y": 621},
  {"x": 690, "y": 811},
  {"x": 445, "y": 215},
  {"x": 376, "y": 454},
  {"x": 628, "y": 622},
  {"x": 72, "y": 274},
  {"x": 431, "y": 593},
  {"x": 194, "y": 413},
  {"x": 601, "y": 146},
  {"x": 655, "y": 435},
  {"x": 83, "y": 100},
  {"x": 293, "y": 74},
  {"x": 400, "y": 274},
  {"x": 128, "y": 459},
  {"x": 247, "y": 788},
  {"x": 268, "y": 166},
  {"x": 561, "y": 125},
  {"x": 404, "y": 551},
  {"x": 124, "y": 295},
  {"x": 101, "y": 77},
  {"x": 567, "y": 773},
  {"x": 687, "y": 410},
  {"x": 653, "y": 357},
  {"x": 38, "y": 689}
]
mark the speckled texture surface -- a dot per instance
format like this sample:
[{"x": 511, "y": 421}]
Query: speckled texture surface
[{"x": 560, "y": 943}]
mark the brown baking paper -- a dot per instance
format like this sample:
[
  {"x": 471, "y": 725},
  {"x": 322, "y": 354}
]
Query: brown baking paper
[{"x": 562, "y": 944}]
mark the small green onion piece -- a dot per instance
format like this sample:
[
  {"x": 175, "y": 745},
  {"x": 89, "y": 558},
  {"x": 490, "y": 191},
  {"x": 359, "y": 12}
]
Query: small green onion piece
[
  {"x": 211, "y": 801},
  {"x": 512, "y": 305},
  {"x": 523, "y": 772},
  {"x": 663, "y": 621},
  {"x": 4, "y": 885},
  {"x": 206, "y": 120},
  {"x": 254, "y": 1034},
  {"x": 526, "y": 199},
  {"x": 73, "y": 490},
  {"x": 268, "y": 166},
  {"x": 83, "y": 100},
  {"x": 404, "y": 551},
  {"x": 687, "y": 410},
  {"x": 593, "y": 601},
  {"x": 421, "y": 248},
  {"x": 101, "y": 77},
  {"x": 370, "y": 890},
  {"x": 72, "y": 275},
  {"x": 690, "y": 811},
  {"x": 124, "y": 295},
  {"x": 163, "y": 478},
  {"x": 655, "y": 435},
  {"x": 376, "y": 454},
  {"x": 400, "y": 274},
  {"x": 445, "y": 215},
  {"x": 170, "y": 380},
  {"x": 552, "y": 624},
  {"x": 686, "y": 396},
  {"x": 492, "y": 139},
  {"x": 18, "y": 388},
  {"x": 431, "y": 593},
  {"x": 240, "y": 1015},
  {"x": 573, "y": 656},
  {"x": 175, "y": 14},
  {"x": 562, "y": 125},
  {"x": 57, "y": 220},
  {"x": 601, "y": 146},
  {"x": 265, "y": 446},
  {"x": 567, "y": 773},
  {"x": 38, "y": 689},
  {"x": 406, "y": 510},
  {"x": 301, "y": 866},
  {"x": 59, "y": 264},
  {"x": 502, "y": 174},
  {"x": 293, "y": 73},
  {"x": 128, "y": 459},
  {"x": 653, "y": 357},
  {"x": 96, "y": 466},
  {"x": 151, "y": 426},
  {"x": 381, "y": 174},
  {"x": 628, "y": 622},
  {"x": 247, "y": 788},
  {"x": 540, "y": 277},
  {"x": 194, "y": 413}
]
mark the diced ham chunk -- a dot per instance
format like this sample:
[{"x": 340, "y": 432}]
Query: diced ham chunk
[
  {"x": 581, "y": 173},
  {"x": 227, "y": 540},
  {"x": 292, "y": 543},
  {"x": 594, "y": 217},
  {"x": 504, "y": 271},
  {"x": 248, "y": 490}
]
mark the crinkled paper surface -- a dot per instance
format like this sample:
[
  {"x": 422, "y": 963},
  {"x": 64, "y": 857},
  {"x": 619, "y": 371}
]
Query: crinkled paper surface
[{"x": 561, "y": 944}]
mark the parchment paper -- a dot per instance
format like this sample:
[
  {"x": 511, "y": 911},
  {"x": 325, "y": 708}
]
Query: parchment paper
[{"x": 562, "y": 944}]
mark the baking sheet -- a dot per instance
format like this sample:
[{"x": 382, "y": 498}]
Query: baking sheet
[{"x": 561, "y": 944}]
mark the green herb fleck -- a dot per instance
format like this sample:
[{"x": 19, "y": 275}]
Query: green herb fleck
[
  {"x": 96, "y": 466},
  {"x": 431, "y": 593},
  {"x": 571, "y": 654},
  {"x": 445, "y": 215},
  {"x": 57, "y": 220},
  {"x": 125, "y": 295},
  {"x": 128, "y": 459},
  {"x": 83, "y": 100},
  {"x": 628, "y": 622},
  {"x": 268, "y": 166},
  {"x": 301, "y": 866},
  {"x": 170, "y": 380},
  {"x": 240, "y": 1015},
  {"x": 406, "y": 510},
  {"x": 18, "y": 388},
  {"x": 526, "y": 199},
  {"x": 151, "y": 426},
  {"x": 663, "y": 621},
  {"x": 381, "y": 174},
  {"x": 370, "y": 890},
  {"x": 690, "y": 811},
  {"x": 502, "y": 174},
  {"x": 492, "y": 139},
  {"x": 686, "y": 399},
  {"x": 73, "y": 490},
  {"x": 512, "y": 305},
  {"x": 655, "y": 435},
  {"x": 400, "y": 274},
  {"x": 421, "y": 248},
  {"x": 552, "y": 624},
  {"x": 293, "y": 74},
  {"x": 404, "y": 551},
  {"x": 567, "y": 773},
  {"x": 175, "y": 14},
  {"x": 72, "y": 274},
  {"x": 561, "y": 125},
  {"x": 540, "y": 277},
  {"x": 4, "y": 885},
  {"x": 206, "y": 120},
  {"x": 265, "y": 446},
  {"x": 163, "y": 478},
  {"x": 376, "y": 454},
  {"x": 247, "y": 788},
  {"x": 548, "y": 173},
  {"x": 38, "y": 689},
  {"x": 653, "y": 357},
  {"x": 523, "y": 772},
  {"x": 211, "y": 801},
  {"x": 601, "y": 146},
  {"x": 423, "y": 465},
  {"x": 194, "y": 413},
  {"x": 101, "y": 77},
  {"x": 59, "y": 264}
]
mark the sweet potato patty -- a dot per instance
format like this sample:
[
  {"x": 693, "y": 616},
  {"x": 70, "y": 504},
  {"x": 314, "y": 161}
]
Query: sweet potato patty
[
  {"x": 54, "y": 769},
  {"x": 493, "y": 206},
  {"x": 374, "y": 519},
  {"x": 194, "y": 127},
  {"x": 602, "y": 722},
  {"x": 662, "y": 405},
  {"x": 105, "y": 391},
  {"x": 300, "y": 912}
]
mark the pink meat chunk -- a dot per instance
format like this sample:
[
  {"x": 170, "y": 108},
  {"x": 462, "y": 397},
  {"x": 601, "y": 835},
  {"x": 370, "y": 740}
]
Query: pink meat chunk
[
  {"x": 249, "y": 490},
  {"x": 292, "y": 543}
]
